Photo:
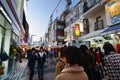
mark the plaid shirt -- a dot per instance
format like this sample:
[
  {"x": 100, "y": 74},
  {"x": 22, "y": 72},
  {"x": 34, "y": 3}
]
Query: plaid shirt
[{"x": 112, "y": 63}]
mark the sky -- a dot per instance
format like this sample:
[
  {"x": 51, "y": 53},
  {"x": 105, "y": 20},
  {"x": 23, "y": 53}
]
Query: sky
[{"x": 38, "y": 14}]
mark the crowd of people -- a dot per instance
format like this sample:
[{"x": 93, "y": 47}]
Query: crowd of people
[
  {"x": 77, "y": 63},
  {"x": 85, "y": 63}
]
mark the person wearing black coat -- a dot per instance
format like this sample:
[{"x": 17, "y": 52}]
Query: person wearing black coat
[
  {"x": 31, "y": 62},
  {"x": 41, "y": 58}
]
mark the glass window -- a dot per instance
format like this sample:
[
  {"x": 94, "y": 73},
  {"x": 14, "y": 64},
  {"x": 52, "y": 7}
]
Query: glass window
[
  {"x": 2, "y": 38},
  {"x": 60, "y": 27},
  {"x": 2, "y": 19}
]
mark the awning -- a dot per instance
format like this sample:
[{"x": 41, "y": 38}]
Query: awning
[
  {"x": 112, "y": 29},
  {"x": 92, "y": 34}
]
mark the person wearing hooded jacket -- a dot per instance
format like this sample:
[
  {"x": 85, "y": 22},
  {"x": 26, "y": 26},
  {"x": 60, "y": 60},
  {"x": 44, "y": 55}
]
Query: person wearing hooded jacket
[{"x": 73, "y": 69}]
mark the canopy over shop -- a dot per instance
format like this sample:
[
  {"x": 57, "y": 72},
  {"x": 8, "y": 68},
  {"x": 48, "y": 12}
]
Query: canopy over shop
[
  {"x": 93, "y": 39},
  {"x": 111, "y": 30}
]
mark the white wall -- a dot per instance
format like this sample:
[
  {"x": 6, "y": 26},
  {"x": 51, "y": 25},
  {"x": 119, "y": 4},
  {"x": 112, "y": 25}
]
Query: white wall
[{"x": 92, "y": 20}]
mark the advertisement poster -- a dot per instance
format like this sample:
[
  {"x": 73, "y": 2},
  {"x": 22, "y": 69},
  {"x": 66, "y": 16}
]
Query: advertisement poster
[{"x": 113, "y": 8}]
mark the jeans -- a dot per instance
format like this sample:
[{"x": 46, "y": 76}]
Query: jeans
[
  {"x": 40, "y": 71},
  {"x": 31, "y": 72}
]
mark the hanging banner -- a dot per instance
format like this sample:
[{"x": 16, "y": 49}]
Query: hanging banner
[{"x": 113, "y": 8}]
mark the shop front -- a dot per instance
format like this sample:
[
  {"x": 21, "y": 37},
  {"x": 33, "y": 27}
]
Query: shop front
[
  {"x": 5, "y": 37},
  {"x": 93, "y": 39},
  {"x": 112, "y": 34}
]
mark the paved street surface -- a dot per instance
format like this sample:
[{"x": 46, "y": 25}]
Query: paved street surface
[
  {"x": 22, "y": 72},
  {"x": 49, "y": 73},
  {"x": 18, "y": 72}
]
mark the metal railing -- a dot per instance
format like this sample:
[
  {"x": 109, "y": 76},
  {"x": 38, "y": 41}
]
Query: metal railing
[
  {"x": 98, "y": 25},
  {"x": 89, "y": 4}
]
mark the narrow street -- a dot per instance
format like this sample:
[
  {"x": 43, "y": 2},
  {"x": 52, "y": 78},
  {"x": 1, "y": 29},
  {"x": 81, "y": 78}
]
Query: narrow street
[
  {"x": 49, "y": 73},
  {"x": 28, "y": 28}
]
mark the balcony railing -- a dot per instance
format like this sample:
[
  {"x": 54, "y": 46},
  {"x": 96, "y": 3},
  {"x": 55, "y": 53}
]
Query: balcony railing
[
  {"x": 98, "y": 25},
  {"x": 89, "y": 4}
]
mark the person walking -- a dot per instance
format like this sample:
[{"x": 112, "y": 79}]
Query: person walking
[
  {"x": 111, "y": 61},
  {"x": 88, "y": 61},
  {"x": 41, "y": 58},
  {"x": 60, "y": 62},
  {"x": 73, "y": 69},
  {"x": 31, "y": 62},
  {"x": 51, "y": 55}
]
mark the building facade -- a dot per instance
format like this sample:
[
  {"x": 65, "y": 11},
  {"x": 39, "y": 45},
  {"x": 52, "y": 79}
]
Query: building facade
[
  {"x": 12, "y": 30},
  {"x": 98, "y": 21},
  {"x": 94, "y": 22},
  {"x": 71, "y": 20}
]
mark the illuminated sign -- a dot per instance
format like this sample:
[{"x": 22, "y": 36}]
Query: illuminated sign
[{"x": 77, "y": 29}]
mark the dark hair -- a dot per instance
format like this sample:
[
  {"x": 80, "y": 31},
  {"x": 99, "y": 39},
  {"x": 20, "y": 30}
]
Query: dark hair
[
  {"x": 33, "y": 49},
  {"x": 62, "y": 51},
  {"x": 96, "y": 49},
  {"x": 91, "y": 49},
  {"x": 41, "y": 47},
  {"x": 73, "y": 55},
  {"x": 108, "y": 47},
  {"x": 84, "y": 48}
]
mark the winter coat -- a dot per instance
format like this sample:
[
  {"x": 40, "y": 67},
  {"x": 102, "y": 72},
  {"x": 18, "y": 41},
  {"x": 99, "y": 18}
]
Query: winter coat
[
  {"x": 112, "y": 64},
  {"x": 59, "y": 66},
  {"x": 31, "y": 59},
  {"x": 72, "y": 73}
]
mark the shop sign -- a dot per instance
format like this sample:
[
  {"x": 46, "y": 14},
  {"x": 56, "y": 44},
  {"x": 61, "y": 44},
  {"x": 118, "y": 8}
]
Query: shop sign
[
  {"x": 113, "y": 7},
  {"x": 77, "y": 29}
]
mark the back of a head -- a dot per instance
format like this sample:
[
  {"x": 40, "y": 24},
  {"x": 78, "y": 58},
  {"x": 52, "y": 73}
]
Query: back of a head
[
  {"x": 62, "y": 51},
  {"x": 108, "y": 47},
  {"x": 83, "y": 48},
  {"x": 33, "y": 49},
  {"x": 73, "y": 55}
]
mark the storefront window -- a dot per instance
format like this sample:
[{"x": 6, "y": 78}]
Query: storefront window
[
  {"x": 2, "y": 38},
  {"x": 13, "y": 45},
  {"x": 2, "y": 19}
]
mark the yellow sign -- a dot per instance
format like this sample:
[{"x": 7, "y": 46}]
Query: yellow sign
[
  {"x": 77, "y": 30},
  {"x": 109, "y": 3},
  {"x": 113, "y": 7},
  {"x": 115, "y": 10}
]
